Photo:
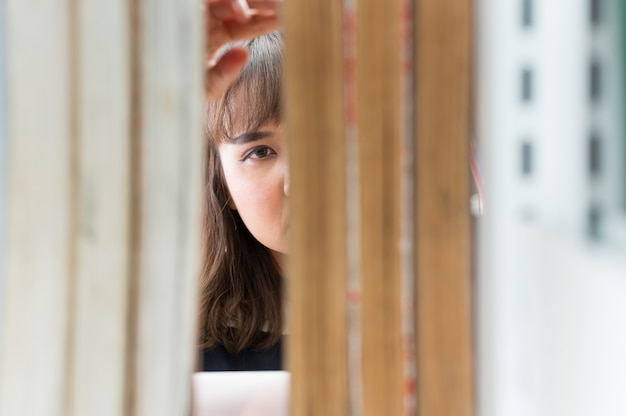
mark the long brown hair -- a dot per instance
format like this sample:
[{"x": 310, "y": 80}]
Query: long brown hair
[{"x": 241, "y": 286}]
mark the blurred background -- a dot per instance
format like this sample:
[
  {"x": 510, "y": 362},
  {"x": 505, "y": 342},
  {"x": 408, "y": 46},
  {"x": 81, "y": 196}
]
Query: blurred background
[
  {"x": 550, "y": 143},
  {"x": 551, "y": 283}
]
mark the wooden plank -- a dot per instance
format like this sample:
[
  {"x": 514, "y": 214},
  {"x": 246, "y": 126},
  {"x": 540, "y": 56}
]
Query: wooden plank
[
  {"x": 442, "y": 252},
  {"x": 379, "y": 140},
  {"x": 104, "y": 215},
  {"x": 168, "y": 171},
  {"x": 3, "y": 166},
  {"x": 317, "y": 353},
  {"x": 102, "y": 108},
  {"x": 39, "y": 210}
]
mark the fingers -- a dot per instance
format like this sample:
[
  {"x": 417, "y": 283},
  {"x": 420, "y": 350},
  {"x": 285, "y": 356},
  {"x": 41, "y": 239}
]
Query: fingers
[
  {"x": 237, "y": 10},
  {"x": 230, "y": 31},
  {"x": 230, "y": 21},
  {"x": 221, "y": 74},
  {"x": 240, "y": 10},
  {"x": 233, "y": 20}
]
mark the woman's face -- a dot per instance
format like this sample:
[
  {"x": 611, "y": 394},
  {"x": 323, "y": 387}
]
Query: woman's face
[{"x": 256, "y": 170}]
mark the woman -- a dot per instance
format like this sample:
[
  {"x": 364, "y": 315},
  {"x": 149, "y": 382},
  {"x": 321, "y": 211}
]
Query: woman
[{"x": 246, "y": 224}]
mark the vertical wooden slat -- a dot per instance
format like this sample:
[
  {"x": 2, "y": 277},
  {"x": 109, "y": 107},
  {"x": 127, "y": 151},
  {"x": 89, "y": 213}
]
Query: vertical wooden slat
[
  {"x": 104, "y": 216},
  {"x": 442, "y": 252},
  {"x": 101, "y": 112},
  {"x": 170, "y": 184},
  {"x": 379, "y": 137},
  {"x": 39, "y": 224},
  {"x": 317, "y": 354},
  {"x": 134, "y": 240},
  {"x": 3, "y": 165}
]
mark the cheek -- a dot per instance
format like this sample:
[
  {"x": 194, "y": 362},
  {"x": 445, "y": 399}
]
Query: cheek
[
  {"x": 259, "y": 206},
  {"x": 254, "y": 187},
  {"x": 255, "y": 191},
  {"x": 249, "y": 195},
  {"x": 256, "y": 197}
]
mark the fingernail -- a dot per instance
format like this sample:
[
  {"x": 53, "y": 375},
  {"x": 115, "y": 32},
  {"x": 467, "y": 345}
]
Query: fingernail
[
  {"x": 262, "y": 13},
  {"x": 245, "y": 9}
]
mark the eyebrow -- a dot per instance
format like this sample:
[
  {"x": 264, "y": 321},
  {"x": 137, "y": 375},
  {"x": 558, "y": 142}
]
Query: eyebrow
[{"x": 251, "y": 137}]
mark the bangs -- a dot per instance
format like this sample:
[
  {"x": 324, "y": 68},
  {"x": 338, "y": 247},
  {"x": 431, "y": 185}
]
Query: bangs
[{"x": 254, "y": 99}]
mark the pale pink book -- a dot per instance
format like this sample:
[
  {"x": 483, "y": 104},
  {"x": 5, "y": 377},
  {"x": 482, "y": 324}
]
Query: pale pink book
[{"x": 241, "y": 393}]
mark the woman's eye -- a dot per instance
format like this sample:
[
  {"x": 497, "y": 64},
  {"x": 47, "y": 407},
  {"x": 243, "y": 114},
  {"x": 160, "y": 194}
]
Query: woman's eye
[{"x": 259, "y": 152}]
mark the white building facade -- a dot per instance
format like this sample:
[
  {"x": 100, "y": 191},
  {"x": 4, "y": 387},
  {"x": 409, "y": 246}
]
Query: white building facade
[{"x": 551, "y": 296}]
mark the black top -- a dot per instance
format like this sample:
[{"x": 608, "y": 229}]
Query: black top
[{"x": 218, "y": 359}]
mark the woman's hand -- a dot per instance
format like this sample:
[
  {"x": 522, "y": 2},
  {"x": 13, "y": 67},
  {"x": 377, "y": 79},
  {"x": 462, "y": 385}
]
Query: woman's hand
[{"x": 228, "y": 21}]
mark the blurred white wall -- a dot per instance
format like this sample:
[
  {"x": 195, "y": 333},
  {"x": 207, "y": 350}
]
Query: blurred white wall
[{"x": 552, "y": 266}]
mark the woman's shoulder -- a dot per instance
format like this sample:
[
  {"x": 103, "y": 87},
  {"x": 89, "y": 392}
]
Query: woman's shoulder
[{"x": 217, "y": 358}]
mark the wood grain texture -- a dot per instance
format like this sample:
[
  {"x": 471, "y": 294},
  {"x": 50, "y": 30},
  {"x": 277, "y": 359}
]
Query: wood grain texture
[
  {"x": 442, "y": 252},
  {"x": 39, "y": 210},
  {"x": 379, "y": 137},
  {"x": 3, "y": 163},
  {"x": 317, "y": 353},
  {"x": 105, "y": 109},
  {"x": 169, "y": 180},
  {"x": 102, "y": 179}
]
